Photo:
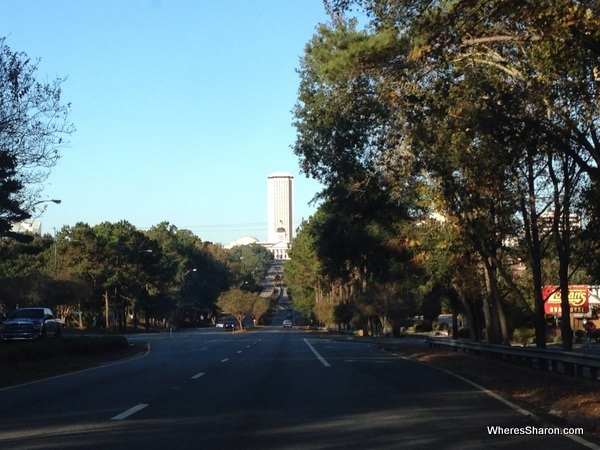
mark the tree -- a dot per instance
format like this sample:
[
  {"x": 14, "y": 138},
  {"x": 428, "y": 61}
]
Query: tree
[
  {"x": 238, "y": 303},
  {"x": 534, "y": 65},
  {"x": 302, "y": 272},
  {"x": 248, "y": 264},
  {"x": 116, "y": 258},
  {"x": 472, "y": 98},
  {"x": 33, "y": 127},
  {"x": 260, "y": 307},
  {"x": 10, "y": 188},
  {"x": 193, "y": 273}
]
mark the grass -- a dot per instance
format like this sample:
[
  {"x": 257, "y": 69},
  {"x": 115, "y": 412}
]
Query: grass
[{"x": 22, "y": 362}]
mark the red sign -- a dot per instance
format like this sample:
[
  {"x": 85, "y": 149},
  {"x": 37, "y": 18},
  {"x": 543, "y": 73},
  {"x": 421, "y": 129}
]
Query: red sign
[
  {"x": 590, "y": 327},
  {"x": 578, "y": 299}
]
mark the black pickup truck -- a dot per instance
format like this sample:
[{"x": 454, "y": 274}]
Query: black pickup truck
[{"x": 31, "y": 323}]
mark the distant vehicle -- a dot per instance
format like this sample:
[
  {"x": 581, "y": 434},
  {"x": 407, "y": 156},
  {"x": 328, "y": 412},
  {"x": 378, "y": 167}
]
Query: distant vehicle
[
  {"x": 220, "y": 324},
  {"x": 31, "y": 323},
  {"x": 287, "y": 323},
  {"x": 230, "y": 325}
]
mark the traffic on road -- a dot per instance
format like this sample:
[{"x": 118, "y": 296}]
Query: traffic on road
[{"x": 276, "y": 388}]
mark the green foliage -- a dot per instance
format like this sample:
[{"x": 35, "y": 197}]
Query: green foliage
[
  {"x": 161, "y": 274},
  {"x": 524, "y": 336},
  {"x": 324, "y": 312},
  {"x": 461, "y": 108},
  {"x": 302, "y": 272},
  {"x": 260, "y": 307},
  {"x": 33, "y": 127},
  {"x": 10, "y": 188},
  {"x": 248, "y": 264},
  {"x": 240, "y": 304},
  {"x": 15, "y": 352}
]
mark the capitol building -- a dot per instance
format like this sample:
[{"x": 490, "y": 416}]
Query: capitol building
[{"x": 280, "y": 216}]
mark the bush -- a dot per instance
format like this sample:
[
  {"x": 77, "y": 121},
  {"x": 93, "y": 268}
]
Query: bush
[
  {"x": 16, "y": 352},
  {"x": 551, "y": 334},
  {"x": 524, "y": 336},
  {"x": 85, "y": 345}
]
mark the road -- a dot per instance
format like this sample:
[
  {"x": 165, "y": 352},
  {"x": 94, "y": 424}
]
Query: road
[{"x": 271, "y": 389}]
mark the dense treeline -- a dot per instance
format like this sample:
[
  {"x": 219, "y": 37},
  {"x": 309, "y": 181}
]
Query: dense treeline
[
  {"x": 458, "y": 148},
  {"x": 114, "y": 275}
]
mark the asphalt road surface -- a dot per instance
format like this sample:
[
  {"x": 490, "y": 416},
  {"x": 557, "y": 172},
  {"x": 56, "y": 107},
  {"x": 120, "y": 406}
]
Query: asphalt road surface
[{"x": 272, "y": 389}]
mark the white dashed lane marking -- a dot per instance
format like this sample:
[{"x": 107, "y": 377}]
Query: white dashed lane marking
[{"x": 130, "y": 411}]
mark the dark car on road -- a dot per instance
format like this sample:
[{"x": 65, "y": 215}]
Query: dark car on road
[{"x": 230, "y": 325}]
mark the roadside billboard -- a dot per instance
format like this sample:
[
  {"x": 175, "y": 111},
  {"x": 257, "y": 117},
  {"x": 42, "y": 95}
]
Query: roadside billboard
[{"x": 578, "y": 299}]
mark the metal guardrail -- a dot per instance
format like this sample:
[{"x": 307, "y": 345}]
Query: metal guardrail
[{"x": 568, "y": 363}]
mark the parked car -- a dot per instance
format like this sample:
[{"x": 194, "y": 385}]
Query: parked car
[
  {"x": 31, "y": 323},
  {"x": 287, "y": 323}
]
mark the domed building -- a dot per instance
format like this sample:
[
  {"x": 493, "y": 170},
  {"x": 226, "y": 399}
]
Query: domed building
[
  {"x": 246, "y": 240},
  {"x": 280, "y": 217}
]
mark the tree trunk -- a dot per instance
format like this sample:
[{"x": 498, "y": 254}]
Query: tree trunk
[{"x": 106, "y": 309}]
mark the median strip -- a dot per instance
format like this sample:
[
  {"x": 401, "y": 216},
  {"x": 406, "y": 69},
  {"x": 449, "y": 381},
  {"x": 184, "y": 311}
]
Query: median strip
[{"x": 130, "y": 411}]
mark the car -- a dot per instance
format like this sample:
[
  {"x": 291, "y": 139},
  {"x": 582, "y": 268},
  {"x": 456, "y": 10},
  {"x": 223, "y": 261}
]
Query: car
[
  {"x": 31, "y": 323},
  {"x": 287, "y": 323},
  {"x": 229, "y": 325}
]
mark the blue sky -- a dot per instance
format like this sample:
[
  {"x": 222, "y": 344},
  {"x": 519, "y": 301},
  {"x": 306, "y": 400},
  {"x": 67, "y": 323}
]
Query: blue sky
[{"x": 182, "y": 107}]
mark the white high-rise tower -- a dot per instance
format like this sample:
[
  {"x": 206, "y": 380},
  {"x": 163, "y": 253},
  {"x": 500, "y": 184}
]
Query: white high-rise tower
[{"x": 280, "y": 207}]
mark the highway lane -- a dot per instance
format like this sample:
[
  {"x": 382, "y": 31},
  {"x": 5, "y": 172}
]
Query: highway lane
[{"x": 277, "y": 388}]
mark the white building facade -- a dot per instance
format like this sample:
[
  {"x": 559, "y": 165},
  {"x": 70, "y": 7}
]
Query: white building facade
[{"x": 280, "y": 213}]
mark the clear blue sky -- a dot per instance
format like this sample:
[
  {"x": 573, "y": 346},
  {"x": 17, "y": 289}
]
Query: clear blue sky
[{"x": 182, "y": 107}]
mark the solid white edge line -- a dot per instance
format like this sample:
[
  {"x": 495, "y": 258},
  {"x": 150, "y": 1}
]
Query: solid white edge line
[
  {"x": 130, "y": 411},
  {"x": 508, "y": 403},
  {"x": 319, "y": 357}
]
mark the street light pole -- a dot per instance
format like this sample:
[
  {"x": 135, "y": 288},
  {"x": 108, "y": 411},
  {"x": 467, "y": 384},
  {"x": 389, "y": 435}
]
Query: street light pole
[
  {"x": 55, "y": 256},
  {"x": 58, "y": 202}
]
